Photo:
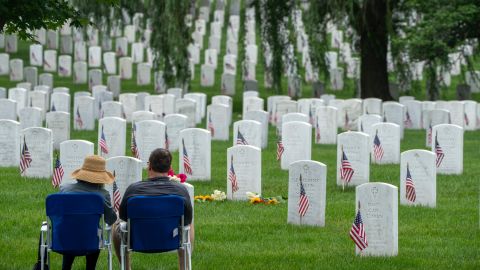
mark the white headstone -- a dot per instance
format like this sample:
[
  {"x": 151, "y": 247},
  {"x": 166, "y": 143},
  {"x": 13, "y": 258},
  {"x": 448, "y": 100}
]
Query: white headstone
[
  {"x": 447, "y": 144},
  {"x": 59, "y": 124},
  {"x": 9, "y": 142},
  {"x": 129, "y": 103},
  {"x": 80, "y": 51},
  {"x": 353, "y": 158},
  {"x": 457, "y": 113},
  {"x": 307, "y": 191},
  {"x": 326, "y": 125},
  {"x": 4, "y": 63},
  {"x": 127, "y": 171},
  {"x": 149, "y": 135},
  {"x": 36, "y": 55},
  {"x": 30, "y": 117},
  {"x": 84, "y": 113},
  {"x": 378, "y": 203},
  {"x": 393, "y": 112},
  {"x": 39, "y": 143},
  {"x": 297, "y": 142},
  {"x": 218, "y": 121},
  {"x": 110, "y": 62},
  {"x": 16, "y": 70},
  {"x": 262, "y": 118},
  {"x": 125, "y": 69},
  {"x": 175, "y": 123},
  {"x": 252, "y": 104},
  {"x": 64, "y": 66},
  {"x": 244, "y": 171},
  {"x": 195, "y": 150},
  {"x": 470, "y": 112},
  {"x": 80, "y": 72},
  {"x": 113, "y": 130},
  {"x": 95, "y": 56},
  {"x": 418, "y": 178},
  {"x": 112, "y": 109},
  {"x": 365, "y": 122},
  {"x": 247, "y": 132},
  {"x": 8, "y": 109},
  {"x": 385, "y": 138},
  {"x": 372, "y": 106},
  {"x": 144, "y": 75},
  {"x": 186, "y": 107}
]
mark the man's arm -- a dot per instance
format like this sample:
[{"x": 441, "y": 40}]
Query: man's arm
[
  {"x": 188, "y": 208},
  {"x": 123, "y": 204}
]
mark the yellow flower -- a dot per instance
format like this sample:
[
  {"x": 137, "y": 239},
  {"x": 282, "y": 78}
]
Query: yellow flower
[
  {"x": 255, "y": 200},
  {"x": 273, "y": 201}
]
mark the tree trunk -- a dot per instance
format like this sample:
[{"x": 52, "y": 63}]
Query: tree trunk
[{"x": 374, "y": 45}]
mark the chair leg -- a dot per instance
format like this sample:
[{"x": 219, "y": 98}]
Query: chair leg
[
  {"x": 110, "y": 257},
  {"x": 122, "y": 256},
  {"x": 43, "y": 247}
]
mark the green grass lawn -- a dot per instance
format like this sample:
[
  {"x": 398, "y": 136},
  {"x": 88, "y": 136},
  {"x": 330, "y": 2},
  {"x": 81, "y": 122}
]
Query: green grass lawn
[{"x": 237, "y": 235}]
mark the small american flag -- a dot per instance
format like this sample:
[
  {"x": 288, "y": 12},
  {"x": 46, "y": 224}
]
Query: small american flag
[
  {"x": 377, "y": 148},
  {"x": 310, "y": 114},
  {"x": 438, "y": 152},
  {"x": 347, "y": 120},
  {"x": 240, "y": 139},
  {"x": 346, "y": 170},
  {"x": 103, "y": 143},
  {"x": 117, "y": 197},
  {"x": 167, "y": 140},
  {"x": 186, "y": 161},
  {"x": 57, "y": 173},
  {"x": 303, "y": 202},
  {"x": 410, "y": 193},
  {"x": 357, "y": 232},
  {"x": 133, "y": 143},
  {"x": 232, "y": 177},
  {"x": 25, "y": 159},
  {"x": 210, "y": 124},
  {"x": 280, "y": 149},
  {"x": 429, "y": 134},
  {"x": 317, "y": 133},
  {"x": 124, "y": 116},
  {"x": 53, "y": 109},
  {"x": 62, "y": 70},
  {"x": 45, "y": 62},
  {"x": 465, "y": 117},
  {"x": 408, "y": 120},
  {"x": 34, "y": 57},
  {"x": 78, "y": 118}
]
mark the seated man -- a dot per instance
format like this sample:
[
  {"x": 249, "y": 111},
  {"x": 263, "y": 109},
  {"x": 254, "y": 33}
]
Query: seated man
[{"x": 158, "y": 183}]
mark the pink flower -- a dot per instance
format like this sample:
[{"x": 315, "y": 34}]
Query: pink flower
[
  {"x": 171, "y": 172},
  {"x": 183, "y": 177}
]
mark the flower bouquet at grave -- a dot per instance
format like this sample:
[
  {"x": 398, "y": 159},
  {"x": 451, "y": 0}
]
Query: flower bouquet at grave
[
  {"x": 181, "y": 178},
  {"x": 217, "y": 196},
  {"x": 254, "y": 198}
]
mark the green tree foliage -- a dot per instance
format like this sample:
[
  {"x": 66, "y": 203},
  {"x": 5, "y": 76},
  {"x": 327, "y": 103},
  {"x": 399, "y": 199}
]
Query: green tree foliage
[
  {"x": 23, "y": 16},
  {"x": 440, "y": 27}
]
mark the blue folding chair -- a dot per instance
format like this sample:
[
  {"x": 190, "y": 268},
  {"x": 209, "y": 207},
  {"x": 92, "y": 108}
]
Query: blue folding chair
[
  {"x": 75, "y": 225},
  {"x": 155, "y": 224}
]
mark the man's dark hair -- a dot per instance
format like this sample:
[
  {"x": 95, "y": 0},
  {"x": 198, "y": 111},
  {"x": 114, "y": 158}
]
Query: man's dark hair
[{"x": 160, "y": 160}]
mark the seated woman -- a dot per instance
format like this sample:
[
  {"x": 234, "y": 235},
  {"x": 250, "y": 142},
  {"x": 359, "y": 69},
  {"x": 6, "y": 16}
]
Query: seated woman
[{"x": 91, "y": 177}]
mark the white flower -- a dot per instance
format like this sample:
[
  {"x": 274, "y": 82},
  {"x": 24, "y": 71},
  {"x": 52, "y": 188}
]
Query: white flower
[
  {"x": 251, "y": 195},
  {"x": 174, "y": 178},
  {"x": 218, "y": 195}
]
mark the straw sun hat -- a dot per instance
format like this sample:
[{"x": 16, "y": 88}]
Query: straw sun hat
[{"x": 93, "y": 171}]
